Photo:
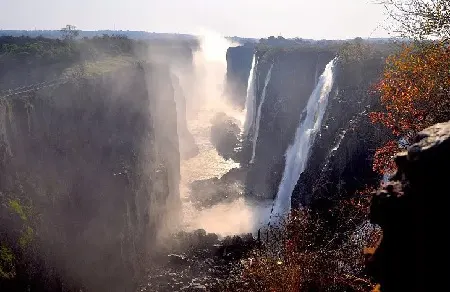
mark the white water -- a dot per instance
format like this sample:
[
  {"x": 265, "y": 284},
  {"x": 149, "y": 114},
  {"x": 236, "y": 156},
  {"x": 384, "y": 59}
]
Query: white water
[
  {"x": 250, "y": 100},
  {"x": 207, "y": 99},
  {"x": 258, "y": 114},
  {"x": 297, "y": 153}
]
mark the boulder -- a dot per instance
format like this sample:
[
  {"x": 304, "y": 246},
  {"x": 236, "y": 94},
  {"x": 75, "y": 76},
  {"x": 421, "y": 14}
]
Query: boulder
[{"x": 412, "y": 210}]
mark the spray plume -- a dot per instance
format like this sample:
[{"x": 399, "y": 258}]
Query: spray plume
[{"x": 208, "y": 100}]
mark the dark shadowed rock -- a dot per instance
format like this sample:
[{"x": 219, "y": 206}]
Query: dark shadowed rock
[
  {"x": 239, "y": 63},
  {"x": 225, "y": 135},
  {"x": 199, "y": 261},
  {"x": 412, "y": 210},
  {"x": 340, "y": 159},
  {"x": 96, "y": 159},
  {"x": 188, "y": 147},
  {"x": 209, "y": 192}
]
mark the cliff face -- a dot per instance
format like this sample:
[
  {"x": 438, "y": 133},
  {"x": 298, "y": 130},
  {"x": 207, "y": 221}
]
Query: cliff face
[
  {"x": 188, "y": 148},
  {"x": 412, "y": 212},
  {"x": 239, "y": 63},
  {"x": 340, "y": 160},
  {"x": 89, "y": 170},
  {"x": 294, "y": 76}
]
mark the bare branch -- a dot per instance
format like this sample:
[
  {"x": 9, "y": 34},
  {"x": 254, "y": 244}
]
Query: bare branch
[{"x": 420, "y": 19}]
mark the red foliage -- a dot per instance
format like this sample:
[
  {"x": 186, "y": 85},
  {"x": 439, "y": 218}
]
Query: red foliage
[
  {"x": 383, "y": 159},
  {"x": 415, "y": 94}
]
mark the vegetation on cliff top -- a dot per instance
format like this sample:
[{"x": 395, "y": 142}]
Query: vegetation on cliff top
[{"x": 415, "y": 86}]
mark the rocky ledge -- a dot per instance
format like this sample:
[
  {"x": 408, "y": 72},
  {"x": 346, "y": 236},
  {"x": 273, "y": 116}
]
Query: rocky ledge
[
  {"x": 412, "y": 210},
  {"x": 196, "y": 261}
]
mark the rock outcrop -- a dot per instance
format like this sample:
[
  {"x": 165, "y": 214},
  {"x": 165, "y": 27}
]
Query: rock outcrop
[
  {"x": 89, "y": 170},
  {"x": 412, "y": 210},
  {"x": 197, "y": 261},
  {"x": 225, "y": 135}
]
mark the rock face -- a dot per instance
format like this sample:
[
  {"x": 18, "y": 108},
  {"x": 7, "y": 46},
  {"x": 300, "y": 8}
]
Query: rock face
[
  {"x": 89, "y": 169},
  {"x": 412, "y": 211},
  {"x": 339, "y": 164},
  {"x": 294, "y": 76},
  {"x": 225, "y": 135},
  {"x": 188, "y": 147},
  {"x": 239, "y": 63}
]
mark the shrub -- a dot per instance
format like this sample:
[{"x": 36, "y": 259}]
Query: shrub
[{"x": 318, "y": 250}]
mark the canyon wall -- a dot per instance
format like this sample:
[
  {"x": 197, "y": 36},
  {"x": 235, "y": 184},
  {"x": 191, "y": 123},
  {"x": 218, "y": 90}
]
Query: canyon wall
[
  {"x": 89, "y": 173},
  {"x": 293, "y": 78},
  {"x": 239, "y": 62},
  {"x": 341, "y": 159}
]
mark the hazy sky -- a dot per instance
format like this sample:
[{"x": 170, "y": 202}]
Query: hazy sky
[{"x": 248, "y": 18}]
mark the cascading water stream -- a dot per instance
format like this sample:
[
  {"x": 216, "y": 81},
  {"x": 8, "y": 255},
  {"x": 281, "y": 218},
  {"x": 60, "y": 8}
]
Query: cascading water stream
[
  {"x": 258, "y": 114},
  {"x": 250, "y": 100},
  {"x": 297, "y": 153}
]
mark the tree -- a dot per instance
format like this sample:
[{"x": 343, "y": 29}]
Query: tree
[
  {"x": 69, "y": 32},
  {"x": 421, "y": 19},
  {"x": 415, "y": 87}
]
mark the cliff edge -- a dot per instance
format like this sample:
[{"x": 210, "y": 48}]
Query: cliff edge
[{"x": 412, "y": 211}]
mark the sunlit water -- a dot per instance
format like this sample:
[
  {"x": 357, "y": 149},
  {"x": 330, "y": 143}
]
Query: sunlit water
[
  {"x": 250, "y": 100},
  {"x": 297, "y": 154},
  {"x": 258, "y": 113},
  {"x": 206, "y": 99},
  {"x": 229, "y": 218}
]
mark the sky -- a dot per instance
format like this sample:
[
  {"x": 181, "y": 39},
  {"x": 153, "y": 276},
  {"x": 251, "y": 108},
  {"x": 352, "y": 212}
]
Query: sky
[{"x": 316, "y": 19}]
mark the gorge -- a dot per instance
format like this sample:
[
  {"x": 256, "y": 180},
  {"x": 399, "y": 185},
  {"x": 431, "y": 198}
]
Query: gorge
[{"x": 160, "y": 167}]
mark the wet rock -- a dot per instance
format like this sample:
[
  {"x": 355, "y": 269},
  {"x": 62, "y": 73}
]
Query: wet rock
[
  {"x": 199, "y": 262},
  {"x": 177, "y": 259},
  {"x": 197, "y": 287},
  {"x": 210, "y": 192}
]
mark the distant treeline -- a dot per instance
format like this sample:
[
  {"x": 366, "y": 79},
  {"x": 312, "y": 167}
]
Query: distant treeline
[
  {"x": 25, "y": 60},
  {"x": 44, "y": 50},
  {"x": 141, "y": 35}
]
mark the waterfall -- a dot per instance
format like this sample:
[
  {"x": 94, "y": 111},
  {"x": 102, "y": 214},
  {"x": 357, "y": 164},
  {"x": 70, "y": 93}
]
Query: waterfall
[
  {"x": 250, "y": 100},
  {"x": 297, "y": 153},
  {"x": 258, "y": 114}
]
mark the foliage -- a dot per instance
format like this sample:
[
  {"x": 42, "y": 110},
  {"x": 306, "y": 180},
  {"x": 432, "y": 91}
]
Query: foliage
[
  {"x": 25, "y": 61},
  {"x": 25, "y": 232},
  {"x": 35, "y": 51},
  {"x": 313, "y": 251},
  {"x": 421, "y": 19},
  {"x": 415, "y": 93},
  {"x": 355, "y": 51},
  {"x": 27, "y": 235},
  {"x": 7, "y": 259},
  {"x": 17, "y": 208}
]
